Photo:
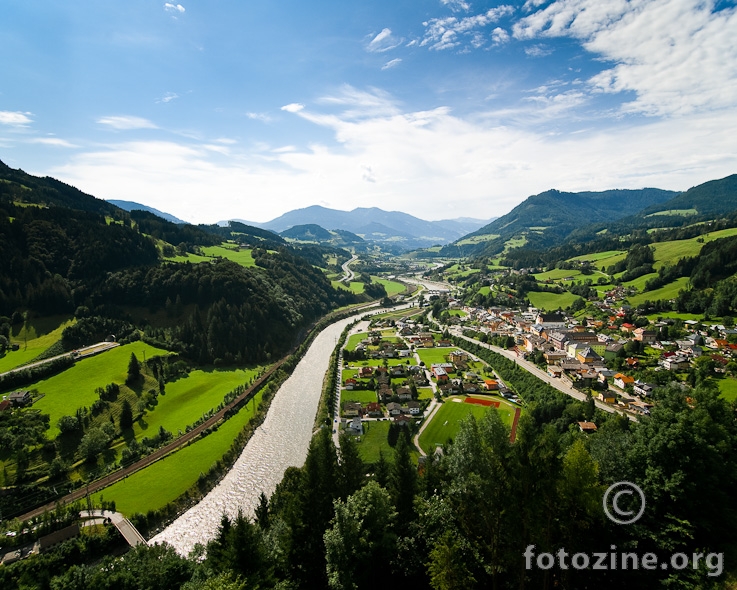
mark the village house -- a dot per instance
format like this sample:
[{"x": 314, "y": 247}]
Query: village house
[
  {"x": 20, "y": 398},
  {"x": 414, "y": 408},
  {"x": 374, "y": 410},
  {"x": 587, "y": 427},
  {"x": 608, "y": 397},
  {"x": 621, "y": 380},
  {"x": 644, "y": 335},
  {"x": 394, "y": 408}
]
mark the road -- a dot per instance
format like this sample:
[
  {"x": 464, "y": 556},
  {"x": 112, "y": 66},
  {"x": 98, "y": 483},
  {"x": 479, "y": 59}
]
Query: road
[
  {"x": 349, "y": 274},
  {"x": 543, "y": 376},
  {"x": 77, "y": 354}
]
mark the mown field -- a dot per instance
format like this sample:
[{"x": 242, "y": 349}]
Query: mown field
[
  {"x": 75, "y": 387},
  {"x": 33, "y": 338},
  {"x": 242, "y": 257},
  {"x": 668, "y": 291},
  {"x": 551, "y": 301},
  {"x": 188, "y": 398},
  {"x": 728, "y": 388},
  {"x": 375, "y": 440},
  {"x": 447, "y": 420},
  {"x": 164, "y": 481}
]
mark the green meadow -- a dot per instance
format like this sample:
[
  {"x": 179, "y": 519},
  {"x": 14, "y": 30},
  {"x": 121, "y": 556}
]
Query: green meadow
[
  {"x": 728, "y": 388},
  {"x": 75, "y": 387},
  {"x": 392, "y": 287},
  {"x": 33, "y": 338},
  {"x": 447, "y": 420},
  {"x": 551, "y": 301},
  {"x": 232, "y": 252},
  {"x": 668, "y": 291},
  {"x": 375, "y": 440},
  {"x": 188, "y": 398},
  {"x": 164, "y": 481}
]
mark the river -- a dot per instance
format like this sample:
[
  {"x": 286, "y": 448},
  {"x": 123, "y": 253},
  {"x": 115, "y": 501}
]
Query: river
[{"x": 280, "y": 442}]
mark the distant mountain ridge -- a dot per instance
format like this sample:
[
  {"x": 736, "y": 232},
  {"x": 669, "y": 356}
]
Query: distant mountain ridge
[
  {"x": 548, "y": 218},
  {"x": 132, "y": 206},
  {"x": 402, "y": 230}
]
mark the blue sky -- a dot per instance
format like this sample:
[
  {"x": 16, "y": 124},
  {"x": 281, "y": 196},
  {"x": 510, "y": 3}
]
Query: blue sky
[{"x": 440, "y": 108}]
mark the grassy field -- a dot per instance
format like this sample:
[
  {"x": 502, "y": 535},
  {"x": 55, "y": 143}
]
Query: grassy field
[
  {"x": 485, "y": 290},
  {"x": 374, "y": 439},
  {"x": 728, "y": 388},
  {"x": 431, "y": 356},
  {"x": 189, "y": 397},
  {"x": 392, "y": 287},
  {"x": 457, "y": 312},
  {"x": 669, "y": 291},
  {"x": 675, "y": 315},
  {"x": 354, "y": 287},
  {"x": 478, "y": 239},
  {"x": 601, "y": 256},
  {"x": 165, "y": 480},
  {"x": 447, "y": 420},
  {"x": 671, "y": 252},
  {"x": 242, "y": 257},
  {"x": 557, "y": 274},
  {"x": 354, "y": 340},
  {"x": 75, "y": 387},
  {"x": 363, "y": 396},
  {"x": 34, "y": 338},
  {"x": 551, "y": 301},
  {"x": 683, "y": 212}
]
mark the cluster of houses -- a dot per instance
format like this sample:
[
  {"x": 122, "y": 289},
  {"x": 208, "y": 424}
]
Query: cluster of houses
[{"x": 580, "y": 353}]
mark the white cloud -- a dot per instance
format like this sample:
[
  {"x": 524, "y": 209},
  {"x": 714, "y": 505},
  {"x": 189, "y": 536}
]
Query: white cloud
[
  {"x": 538, "y": 50},
  {"x": 384, "y": 41},
  {"x": 294, "y": 107},
  {"x": 676, "y": 56},
  {"x": 499, "y": 36},
  {"x": 126, "y": 122},
  {"x": 168, "y": 97},
  {"x": 446, "y": 33},
  {"x": 53, "y": 141},
  {"x": 169, "y": 7},
  {"x": 430, "y": 163},
  {"x": 391, "y": 64},
  {"x": 456, "y": 5},
  {"x": 15, "y": 118},
  {"x": 263, "y": 117}
]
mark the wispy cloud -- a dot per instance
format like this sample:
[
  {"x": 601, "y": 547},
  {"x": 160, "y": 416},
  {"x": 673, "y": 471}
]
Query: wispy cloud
[
  {"x": 384, "y": 41},
  {"x": 15, "y": 118},
  {"x": 126, "y": 122},
  {"x": 53, "y": 141},
  {"x": 391, "y": 64},
  {"x": 538, "y": 50},
  {"x": 293, "y": 107},
  {"x": 174, "y": 8},
  {"x": 168, "y": 97},
  {"x": 676, "y": 56},
  {"x": 456, "y": 5},
  {"x": 450, "y": 32},
  {"x": 263, "y": 117}
]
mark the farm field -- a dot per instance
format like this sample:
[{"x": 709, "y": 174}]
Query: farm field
[
  {"x": 33, "y": 339},
  {"x": 392, "y": 287},
  {"x": 615, "y": 255},
  {"x": 478, "y": 239},
  {"x": 75, "y": 387},
  {"x": 551, "y": 301},
  {"x": 671, "y": 252},
  {"x": 165, "y": 480},
  {"x": 557, "y": 274},
  {"x": 242, "y": 257},
  {"x": 354, "y": 287},
  {"x": 668, "y": 291},
  {"x": 188, "y": 398},
  {"x": 446, "y": 421}
]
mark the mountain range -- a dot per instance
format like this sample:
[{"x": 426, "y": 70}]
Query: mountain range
[
  {"x": 393, "y": 230},
  {"x": 133, "y": 206}
]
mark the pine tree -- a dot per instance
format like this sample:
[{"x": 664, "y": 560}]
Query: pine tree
[{"x": 126, "y": 415}]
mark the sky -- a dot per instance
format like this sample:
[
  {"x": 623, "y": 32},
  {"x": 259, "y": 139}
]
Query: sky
[{"x": 221, "y": 109}]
